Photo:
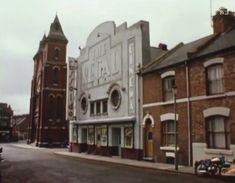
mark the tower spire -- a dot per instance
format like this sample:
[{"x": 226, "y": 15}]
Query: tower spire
[{"x": 56, "y": 31}]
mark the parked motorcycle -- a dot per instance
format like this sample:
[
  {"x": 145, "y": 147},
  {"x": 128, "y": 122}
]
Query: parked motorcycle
[{"x": 212, "y": 167}]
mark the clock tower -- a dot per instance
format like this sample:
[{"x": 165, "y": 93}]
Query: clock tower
[{"x": 48, "y": 126}]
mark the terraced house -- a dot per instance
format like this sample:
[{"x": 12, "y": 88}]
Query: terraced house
[
  {"x": 6, "y": 114},
  {"x": 193, "y": 86}
]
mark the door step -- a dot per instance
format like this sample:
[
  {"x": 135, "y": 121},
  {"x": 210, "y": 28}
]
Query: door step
[{"x": 150, "y": 159}]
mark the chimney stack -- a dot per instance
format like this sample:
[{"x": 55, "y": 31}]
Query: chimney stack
[
  {"x": 162, "y": 46},
  {"x": 223, "y": 20}
]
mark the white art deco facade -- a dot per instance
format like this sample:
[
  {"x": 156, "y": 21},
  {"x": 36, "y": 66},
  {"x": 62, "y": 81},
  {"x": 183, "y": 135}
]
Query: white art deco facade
[{"x": 105, "y": 99}]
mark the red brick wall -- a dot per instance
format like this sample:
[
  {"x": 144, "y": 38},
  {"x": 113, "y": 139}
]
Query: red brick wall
[
  {"x": 152, "y": 93},
  {"x": 152, "y": 84},
  {"x": 50, "y": 52},
  {"x": 197, "y": 79},
  {"x": 229, "y": 73},
  {"x": 151, "y": 88},
  {"x": 44, "y": 64}
]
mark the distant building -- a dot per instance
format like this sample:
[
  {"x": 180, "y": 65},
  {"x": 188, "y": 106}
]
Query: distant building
[
  {"x": 20, "y": 126},
  {"x": 5, "y": 122},
  {"x": 203, "y": 73},
  {"x": 48, "y": 126},
  {"x": 105, "y": 91}
]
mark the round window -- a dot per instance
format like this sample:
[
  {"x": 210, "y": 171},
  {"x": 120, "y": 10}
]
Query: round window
[
  {"x": 84, "y": 104},
  {"x": 115, "y": 98}
]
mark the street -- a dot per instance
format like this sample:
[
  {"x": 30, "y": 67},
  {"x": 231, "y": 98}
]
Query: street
[{"x": 42, "y": 166}]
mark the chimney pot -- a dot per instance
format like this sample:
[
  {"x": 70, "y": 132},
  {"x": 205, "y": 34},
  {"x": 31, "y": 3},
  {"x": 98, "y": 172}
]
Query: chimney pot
[
  {"x": 162, "y": 46},
  {"x": 223, "y": 20}
]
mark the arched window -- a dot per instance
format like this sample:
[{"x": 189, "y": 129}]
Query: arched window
[
  {"x": 168, "y": 84},
  {"x": 215, "y": 83},
  {"x": 59, "y": 107},
  {"x": 56, "y": 53},
  {"x": 51, "y": 107},
  {"x": 55, "y": 75}
]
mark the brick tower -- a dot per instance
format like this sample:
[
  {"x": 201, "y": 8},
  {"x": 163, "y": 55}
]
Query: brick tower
[{"x": 48, "y": 126}]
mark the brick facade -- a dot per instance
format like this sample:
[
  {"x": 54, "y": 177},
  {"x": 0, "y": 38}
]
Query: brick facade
[
  {"x": 194, "y": 104},
  {"x": 48, "y": 126},
  {"x": 6, "y": 114}
]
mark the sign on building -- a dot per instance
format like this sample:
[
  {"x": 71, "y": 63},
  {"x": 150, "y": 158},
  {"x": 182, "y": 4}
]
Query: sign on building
[{"x": 71, "y": 90}]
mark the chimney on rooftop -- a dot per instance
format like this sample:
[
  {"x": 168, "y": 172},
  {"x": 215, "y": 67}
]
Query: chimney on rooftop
[
  {"x": 223, "y": 20},
  {"x": 162, "y": 46}
]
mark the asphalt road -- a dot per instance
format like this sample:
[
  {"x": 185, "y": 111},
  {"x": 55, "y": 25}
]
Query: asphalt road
[{"x": 42, "y": 166}]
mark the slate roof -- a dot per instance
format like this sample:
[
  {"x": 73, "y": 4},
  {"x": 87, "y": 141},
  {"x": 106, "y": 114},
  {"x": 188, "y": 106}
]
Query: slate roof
[
  {"x": 224, "y": 41},
  {"x": 55, "y": 34},
  {"x": 155, "y": 52},
  {"x": 56, "y": 31},
  {"x": 200, "y": 47}
]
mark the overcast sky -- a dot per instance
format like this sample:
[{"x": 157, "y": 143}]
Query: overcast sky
[{"x": 23, "y": 23}]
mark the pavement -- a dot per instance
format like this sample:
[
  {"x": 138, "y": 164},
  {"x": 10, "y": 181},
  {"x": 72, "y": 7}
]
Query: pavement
[{"x": 113, "y": 159}]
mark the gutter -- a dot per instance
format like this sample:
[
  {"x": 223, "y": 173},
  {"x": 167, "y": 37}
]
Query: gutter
[{"x": 188, "y": 114}]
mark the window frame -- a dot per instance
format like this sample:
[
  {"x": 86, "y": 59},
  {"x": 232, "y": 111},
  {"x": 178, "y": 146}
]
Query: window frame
[
  {"x": 75, "y": 134},
  {"x": 83, "y": 105},
  {"x": 91, "y": 135},
  {"x": 210, "y": 82},
  {"x": 56, "y": 53},
  {"x": 164, "y": 91},
  {"x": 92, "y": 108},
  {"x": 55, "y": 77},
  {"x": 166, "y": 133},
  {"x": 225, "y": 132},
  {"x": 105, "y": 107},
  {"x": 130, "y": 136},
  {"x": 59, "y": 108}
]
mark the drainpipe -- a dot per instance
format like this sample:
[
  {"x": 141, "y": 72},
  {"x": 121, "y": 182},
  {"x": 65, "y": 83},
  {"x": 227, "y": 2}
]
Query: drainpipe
[{"x": 188, "y": 112}]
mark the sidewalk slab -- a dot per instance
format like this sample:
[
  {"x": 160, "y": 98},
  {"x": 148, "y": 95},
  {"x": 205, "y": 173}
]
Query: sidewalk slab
[
  {"x": 114, "y": 159},
  {"x": 121, "y": 161},
  {"x": 128, "y": 162}
]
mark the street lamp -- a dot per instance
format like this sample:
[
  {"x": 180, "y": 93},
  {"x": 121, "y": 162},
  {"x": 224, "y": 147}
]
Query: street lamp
[{"x": 174, "y": 90}]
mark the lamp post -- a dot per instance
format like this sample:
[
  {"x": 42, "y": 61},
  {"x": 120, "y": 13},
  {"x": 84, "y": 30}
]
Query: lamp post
[{"x": 174, "y": 90}]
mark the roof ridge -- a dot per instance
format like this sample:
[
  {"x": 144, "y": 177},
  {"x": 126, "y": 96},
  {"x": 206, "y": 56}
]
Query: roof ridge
[
  {"x": 164, "y": 55},
  {"x": 204, "y": 45}
]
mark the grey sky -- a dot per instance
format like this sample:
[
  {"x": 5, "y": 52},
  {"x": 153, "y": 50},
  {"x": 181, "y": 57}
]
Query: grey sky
[{"x": 23, "y": 23}]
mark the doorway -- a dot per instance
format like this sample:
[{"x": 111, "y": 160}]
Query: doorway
[
  {"x": 148, "y": 139},
  {"x": 116, "y": 141}
]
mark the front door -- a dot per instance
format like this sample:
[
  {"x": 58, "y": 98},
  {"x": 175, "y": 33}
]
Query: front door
[
  {"x": 148, "y": 139},
  {"x": 116, "y": 141}
]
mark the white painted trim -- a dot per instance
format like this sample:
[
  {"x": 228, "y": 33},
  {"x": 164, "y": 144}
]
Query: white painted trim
[
  {"x": 199, "y": 144},
  {"x": 213, "y": 61},
  {"x": 223, "y": 111},
  {"x": 196, "y": 98},
  {"x": 170, "y": 154},
  {"x": 107, "y": 120},
  {"x": 205, "y": 97},
  {"x": 148, "y": 116},
  {"x": 219, "y": 151},
  {"x": 169, "y": 148},
  {"x": 168, "y": 116},
  {"x": 168, "y": 73}
]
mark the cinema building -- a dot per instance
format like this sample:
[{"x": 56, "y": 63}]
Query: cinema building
[{"x": 104, "y": 103}]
